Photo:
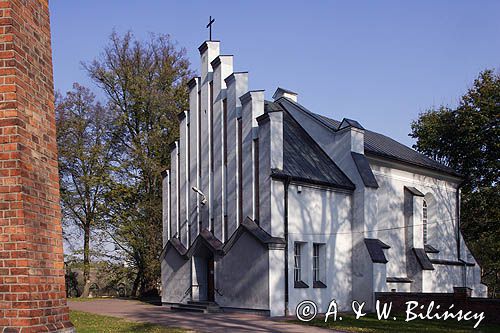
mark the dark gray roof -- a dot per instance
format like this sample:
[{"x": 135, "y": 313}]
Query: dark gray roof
[
  {"x": 346, "y": 122},
  {"x": 414, "y": 191},
  {"x": 176, "y": 244},
  {"x": 375, "y": 249},
  {"x": 430, "y": 249},
  {"x": 423, "y": 259},
  {"x": 209, "y": 240},
  {"x": 380, "y": 145},
  {"x": 248, "y": 225},
  {"x": 283, "y": 90},
  {"x": 364, "y": 170},
  {"x": 451, "y": 262},
  {"x": 304, "y": 160},
  {"x": 398, "y": 279}
]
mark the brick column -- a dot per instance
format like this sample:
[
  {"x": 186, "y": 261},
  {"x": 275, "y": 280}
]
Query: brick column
[{"x": 32, "y": 289}]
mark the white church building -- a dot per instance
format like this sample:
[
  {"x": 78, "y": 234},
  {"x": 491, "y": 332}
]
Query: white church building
[{"x": 267, "y": 204}]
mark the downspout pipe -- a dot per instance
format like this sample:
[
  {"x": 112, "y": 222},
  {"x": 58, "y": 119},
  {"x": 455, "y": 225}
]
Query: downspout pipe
[
  {"x": 286, "y": 182},
  {"x": 458, "y": 199}
]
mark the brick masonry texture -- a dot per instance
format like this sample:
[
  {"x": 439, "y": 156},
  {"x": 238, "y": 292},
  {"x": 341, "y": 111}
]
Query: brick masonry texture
[{"x": 32, "y": 289}]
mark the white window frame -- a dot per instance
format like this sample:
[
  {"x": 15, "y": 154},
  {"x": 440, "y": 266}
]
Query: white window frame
[
  {"x": 319, "y": 265},
  {"x": 425, "y": 219},
  {"x": 297, "y": 261}
]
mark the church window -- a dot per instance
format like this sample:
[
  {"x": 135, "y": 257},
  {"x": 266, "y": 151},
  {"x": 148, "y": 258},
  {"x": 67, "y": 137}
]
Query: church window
[
  {"x": 424, "y": 220},
  {"x": 318, "y": 265},
  {"x": 298, "y": 257},
  {"x": 297, "y": 268}
]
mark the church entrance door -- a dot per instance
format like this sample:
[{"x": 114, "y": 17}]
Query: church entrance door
[{"x": 210, "y": 280}]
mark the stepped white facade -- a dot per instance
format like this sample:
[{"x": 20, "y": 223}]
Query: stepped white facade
[{"x": 267, "y": 204}]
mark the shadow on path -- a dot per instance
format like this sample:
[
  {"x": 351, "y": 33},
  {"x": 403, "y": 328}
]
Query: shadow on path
[{"x": 214, "y": 322}]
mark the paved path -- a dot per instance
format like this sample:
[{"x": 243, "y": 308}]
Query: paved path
[{"x": 198, "y": 322}]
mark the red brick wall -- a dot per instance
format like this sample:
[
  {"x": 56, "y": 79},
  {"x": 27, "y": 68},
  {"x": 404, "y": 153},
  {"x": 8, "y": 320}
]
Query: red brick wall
[{"x": 32, "y": 294}]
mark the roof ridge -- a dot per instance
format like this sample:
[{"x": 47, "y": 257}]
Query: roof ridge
[{"x": 394, "y": 149}]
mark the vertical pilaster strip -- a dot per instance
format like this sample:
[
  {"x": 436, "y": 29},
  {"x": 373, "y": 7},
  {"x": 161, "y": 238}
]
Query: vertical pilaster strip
[
  {"x": 237, "y": 86},
  {"x": 271, "y": 157},
  {"x": 222, "y": 66},
  {"x": 173, "y": 190},
  {"x": 252, "y": 106},
  {"x": 194, "y": 198},
  {"x": 166, "y": 206},
  {"x": 182, "y": 177},
  {"x": 209, "y": 50}
]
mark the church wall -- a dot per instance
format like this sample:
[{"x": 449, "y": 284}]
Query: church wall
[
  {"x": 199, "y": 159},
  {"x": 441, "y": 211},
  {"x": 379, "y": 277},
  {"x": 237, "y": 85},
  {"x": 252, "y": 107},
  {"x": 318, "y": 215},
  {"x": 276, "y": 282},
  {"x": 444, "y": 277},
  {"x": 165, "y": 207},
  {"x": 209, "y": 51},
  {"x": 173, "y": 190},
  {"x": 243, "y": 275},
  {"x": 271, "y": 197},
  {"x": 183, "y": 222},
  {"x": 387, "y": 223},
  {"x": 338, "y": 147},
  {"x": 175, "y": 277},
  {"x": 440, "y": 195},
  {"x": 194, "y": 114},
  {"x": 222, "y": 68},
  {"x": 399, "y": 287}
]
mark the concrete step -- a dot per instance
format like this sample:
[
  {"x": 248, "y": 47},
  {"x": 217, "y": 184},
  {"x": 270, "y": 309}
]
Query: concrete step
[
  {"x": 187, "y": 309},
  {"x": 201, "y": 302},
  {"x": 197, "y": 306},
  {"x": 193, "y": 305}
]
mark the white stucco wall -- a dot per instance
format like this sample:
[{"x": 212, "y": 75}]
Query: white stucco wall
[
  {"x": 440, "y": 195},
  {"x": 316, "y": 215},
  {"x": 389, "y": 199}
]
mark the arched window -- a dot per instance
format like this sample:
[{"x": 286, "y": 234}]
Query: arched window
[{"x": 424, "y": 220}]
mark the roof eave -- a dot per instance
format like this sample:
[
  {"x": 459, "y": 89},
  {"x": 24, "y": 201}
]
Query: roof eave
[
  {"x": 454, "y": 174},
  {"x": 283, "y": 175}
]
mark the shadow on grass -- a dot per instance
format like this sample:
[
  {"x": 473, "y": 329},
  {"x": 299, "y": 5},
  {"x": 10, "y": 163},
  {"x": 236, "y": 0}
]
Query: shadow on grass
[
  {"x": 149, "y": 300},
  {"x": 85, "y": 322}
]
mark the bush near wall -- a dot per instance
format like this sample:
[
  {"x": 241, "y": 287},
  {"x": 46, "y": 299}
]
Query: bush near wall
[{"x": 107, "y": 279}]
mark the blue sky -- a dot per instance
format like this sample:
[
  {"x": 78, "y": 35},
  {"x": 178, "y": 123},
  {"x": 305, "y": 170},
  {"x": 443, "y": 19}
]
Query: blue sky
[{"x": 379, "y": 62}]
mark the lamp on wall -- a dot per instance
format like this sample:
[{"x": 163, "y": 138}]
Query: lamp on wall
[{"x": 203, "y": 197}]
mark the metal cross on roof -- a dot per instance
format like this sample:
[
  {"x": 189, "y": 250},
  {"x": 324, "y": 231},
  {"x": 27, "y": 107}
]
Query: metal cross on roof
[{"x": 209, "y": 26}]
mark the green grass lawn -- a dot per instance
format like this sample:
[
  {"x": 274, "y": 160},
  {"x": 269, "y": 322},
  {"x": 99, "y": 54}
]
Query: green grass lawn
[
  {"x": 87, "y": 299},
  {"x": 91, "y": 323},
  {"x": 369, "y": 323}
]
